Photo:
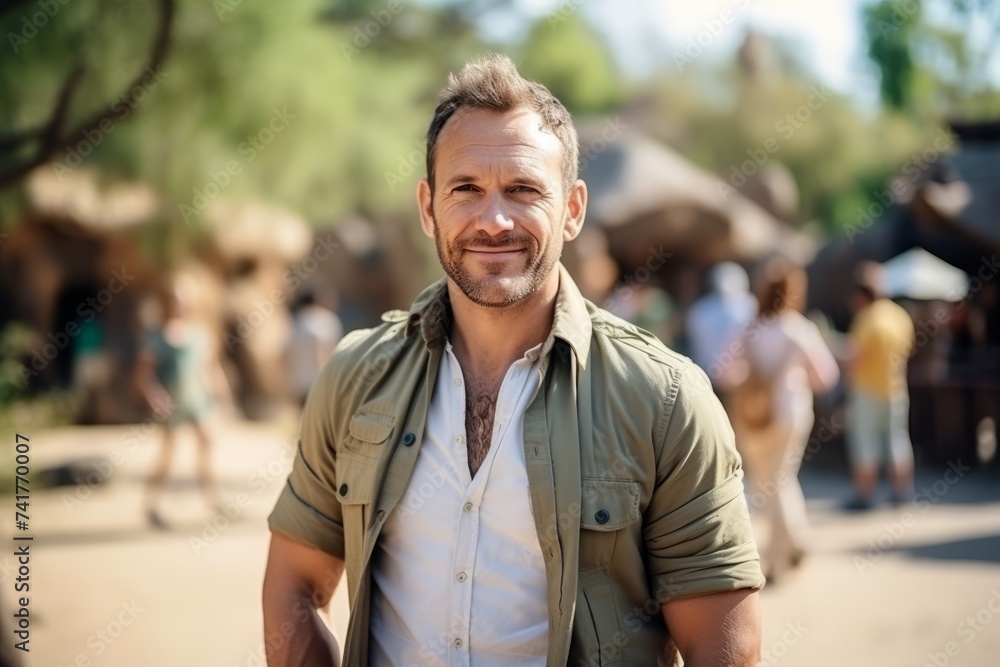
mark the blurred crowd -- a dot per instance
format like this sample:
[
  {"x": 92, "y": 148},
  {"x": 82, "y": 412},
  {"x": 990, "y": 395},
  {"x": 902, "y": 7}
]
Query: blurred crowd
[{"x": 775, "y": 369}]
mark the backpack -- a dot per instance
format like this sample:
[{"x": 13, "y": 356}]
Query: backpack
[{"x": 753, "y": 401}]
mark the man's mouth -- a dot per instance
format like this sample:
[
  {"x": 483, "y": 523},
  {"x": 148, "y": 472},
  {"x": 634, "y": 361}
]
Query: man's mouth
[{"x": 494, "y": 254}]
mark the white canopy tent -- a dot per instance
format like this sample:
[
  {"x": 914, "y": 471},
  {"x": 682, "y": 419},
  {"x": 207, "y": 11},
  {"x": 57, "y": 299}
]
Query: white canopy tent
[{"x": 917, "y": 274}]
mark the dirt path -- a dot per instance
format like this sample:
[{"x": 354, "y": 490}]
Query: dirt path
[{"x": 894, "y": 587}]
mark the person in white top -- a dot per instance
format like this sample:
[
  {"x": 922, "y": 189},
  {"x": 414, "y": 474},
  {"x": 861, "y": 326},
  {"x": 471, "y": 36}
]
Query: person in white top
[
  {"x": 315, "y": 332},
  {"x": 716, "y": 319},
  {"x": 782, "y": 361}
]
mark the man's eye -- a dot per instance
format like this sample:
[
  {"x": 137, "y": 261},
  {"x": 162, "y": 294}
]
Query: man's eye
[
  {"x": 524, "y": 188},
  {"x": 467, "y": 187}
]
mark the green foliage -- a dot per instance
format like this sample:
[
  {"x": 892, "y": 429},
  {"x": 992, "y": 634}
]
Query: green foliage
[
  {"x": 935, "y": 68},
  {"x": 350, "y": 97},
  {"x": 19, "y": 406},
  {"x": 352, "y": 86},
  {"x": 889, "y": 26},
  {"x": 568, "y": 57},
  {"x": 15, "y": 343},
  {"x": 841, "y": 157}
]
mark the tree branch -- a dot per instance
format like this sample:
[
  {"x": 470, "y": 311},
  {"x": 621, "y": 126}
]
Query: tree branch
[
  {"x": 50, "y": 135},
  {"x": 11, "y": 5}
]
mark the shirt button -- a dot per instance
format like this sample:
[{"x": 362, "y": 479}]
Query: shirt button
[
  {"x": 461, "y": 576},
  {"x": 380, "y": 515},
  {"x": 460, "y": 440},
  {"x": 457, "y": 642},
  {"x": 343, "y": 489},
  {"x": 409, "y": 438},
  {"x": 602, "y": 516},
  {"x": 458, "y": 383},
  {"x": 467, "y": 507}
]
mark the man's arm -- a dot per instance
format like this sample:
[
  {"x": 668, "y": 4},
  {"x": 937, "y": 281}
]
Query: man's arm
[
  {"x": 299, "y": 580},
  {"x": 716, "y": 630}
]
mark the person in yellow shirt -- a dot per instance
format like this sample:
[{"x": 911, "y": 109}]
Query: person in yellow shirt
[{"x": 878, "y": 410}]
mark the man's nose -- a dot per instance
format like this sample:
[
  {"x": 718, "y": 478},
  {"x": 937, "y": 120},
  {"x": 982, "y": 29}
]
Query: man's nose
[{"x": 494, "y": 218}]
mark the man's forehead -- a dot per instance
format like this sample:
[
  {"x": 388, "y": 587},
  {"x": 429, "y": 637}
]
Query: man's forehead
[{"x": 518, "y": 128}]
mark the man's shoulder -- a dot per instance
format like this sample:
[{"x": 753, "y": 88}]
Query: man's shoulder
[
  {"x": 654, "y": 382},
  {"x": 636, "y": 354},
  {"x": 371, "y": 348}
]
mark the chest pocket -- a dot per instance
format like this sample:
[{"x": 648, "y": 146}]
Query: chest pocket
[
  {"x": 607, "y": 507},
  {"x": 368, "y": 433},
  {"x": 359, "y": 457},
  {"x": 358, "y": 464}
]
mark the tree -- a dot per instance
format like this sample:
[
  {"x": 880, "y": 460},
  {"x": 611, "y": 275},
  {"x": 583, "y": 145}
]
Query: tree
[
  {"x": 567, "y": 56},
  {"x": 281, "y": 101},
  {"x": 939, "y": 68},
  {"x": 889, "y": 27}
]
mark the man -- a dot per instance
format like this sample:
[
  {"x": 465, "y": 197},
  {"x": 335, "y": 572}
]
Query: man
[
  {"x": 878, "y": 411},
  {"x": 508, "y": 474}
]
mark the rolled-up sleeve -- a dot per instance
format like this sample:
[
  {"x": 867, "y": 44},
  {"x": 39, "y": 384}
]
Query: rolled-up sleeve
[
  {"x": 308, "y": 509},
  {"x": 697, "y": 529}
]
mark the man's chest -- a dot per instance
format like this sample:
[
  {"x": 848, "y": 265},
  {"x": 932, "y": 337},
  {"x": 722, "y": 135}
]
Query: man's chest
[{"x": 461, "y": 549}]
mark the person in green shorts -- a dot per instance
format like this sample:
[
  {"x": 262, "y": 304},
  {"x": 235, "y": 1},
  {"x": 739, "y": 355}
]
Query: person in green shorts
[{"x": 176, "y": 366}]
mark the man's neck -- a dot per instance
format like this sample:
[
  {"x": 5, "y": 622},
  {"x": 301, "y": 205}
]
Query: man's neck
[{"x": 488, "y": 340}]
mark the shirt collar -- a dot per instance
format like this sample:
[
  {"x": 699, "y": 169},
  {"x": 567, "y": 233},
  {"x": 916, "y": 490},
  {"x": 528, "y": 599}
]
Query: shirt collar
[{"x": 431, "y": 314}]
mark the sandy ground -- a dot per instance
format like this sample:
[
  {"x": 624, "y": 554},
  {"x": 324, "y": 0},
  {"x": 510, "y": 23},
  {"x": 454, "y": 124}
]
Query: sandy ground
[{"x": 905, "y": 586}]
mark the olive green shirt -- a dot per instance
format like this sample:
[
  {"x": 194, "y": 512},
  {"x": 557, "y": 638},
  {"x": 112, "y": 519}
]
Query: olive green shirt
[{"x": 636, "y": 486}]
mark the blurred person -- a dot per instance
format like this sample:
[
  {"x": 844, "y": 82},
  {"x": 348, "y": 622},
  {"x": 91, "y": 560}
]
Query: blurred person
[
  {"x": 716, "y": 319},
  {"x": 91, "y": 365},
  {"x": 503, "y": 467},
  {"x": 176, "y": 368},
  {"x": 880, "y": 341},
  {"x": 782, "y": 360},
  {"x": 315, "y": 332}
]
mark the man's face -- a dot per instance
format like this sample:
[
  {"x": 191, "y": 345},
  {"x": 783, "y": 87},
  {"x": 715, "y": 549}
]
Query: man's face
[{"x": 499, "y": 213}]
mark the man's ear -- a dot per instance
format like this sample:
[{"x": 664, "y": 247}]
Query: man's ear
[
  {"x": 576, "y": 210},
  {"x": 425, "y": 205}
]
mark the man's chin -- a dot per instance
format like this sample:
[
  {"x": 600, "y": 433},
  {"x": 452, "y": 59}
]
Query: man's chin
[{"x": 495, "y": 291}]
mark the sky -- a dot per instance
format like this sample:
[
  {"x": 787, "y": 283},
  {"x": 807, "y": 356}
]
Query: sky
[
  {"x": 644, "y": 33},
  {"x": 828, "y": 32}
]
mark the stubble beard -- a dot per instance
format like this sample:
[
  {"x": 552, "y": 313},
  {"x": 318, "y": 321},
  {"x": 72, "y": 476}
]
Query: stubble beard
[{"x": 495, "y": 289}]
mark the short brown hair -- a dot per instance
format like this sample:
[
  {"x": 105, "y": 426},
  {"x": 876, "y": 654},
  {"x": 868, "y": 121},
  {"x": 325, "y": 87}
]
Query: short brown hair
[
  {"x": 869, "y": 279},
  {"x": 493, "y": 83},
  {"x": 781, "y": 286}
]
